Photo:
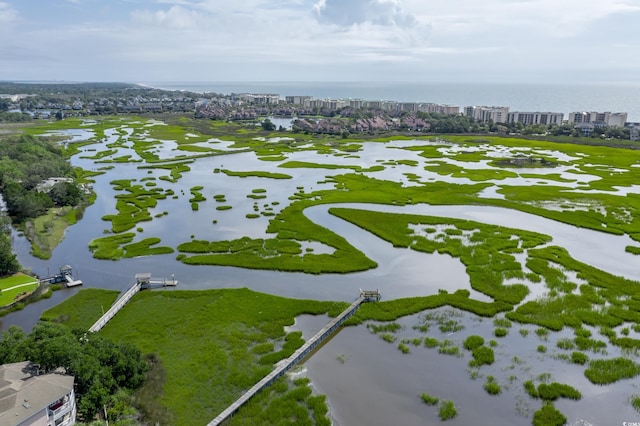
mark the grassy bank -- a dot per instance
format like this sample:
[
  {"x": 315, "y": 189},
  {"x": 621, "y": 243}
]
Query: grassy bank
[{"x": 225, "y": 330}]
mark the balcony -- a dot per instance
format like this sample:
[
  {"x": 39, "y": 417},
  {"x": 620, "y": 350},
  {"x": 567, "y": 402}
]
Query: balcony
[{"x": 59, "y": 409}]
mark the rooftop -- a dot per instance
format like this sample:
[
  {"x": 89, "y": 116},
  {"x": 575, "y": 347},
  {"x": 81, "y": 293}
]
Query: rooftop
[{"x": 24, "y": 393}]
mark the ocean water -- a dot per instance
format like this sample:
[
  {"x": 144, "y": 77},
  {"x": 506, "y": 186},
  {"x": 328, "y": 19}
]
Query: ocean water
[{"x": 518, "y": 97}]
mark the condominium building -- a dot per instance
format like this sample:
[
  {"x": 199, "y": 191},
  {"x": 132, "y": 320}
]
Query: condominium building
[
  {"x": 297, "y": 100},
  {"x": 486, "y": 113},
  {"x": 528, "y": 118},
  {"x": 260, "y": 98},
  {"x": 634, "y": 131},
  {"x": 440, "y": 109},
  {"x": 598, "y": 118},
  {"x": 30, "y": 399}
]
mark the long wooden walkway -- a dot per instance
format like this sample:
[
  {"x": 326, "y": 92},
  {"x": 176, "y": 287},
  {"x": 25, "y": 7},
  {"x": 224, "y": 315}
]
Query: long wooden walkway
[
  {"x": 285, "y": 365},
  {"x": 142, "y": 281},
  {"x": 113, "y": 310}
]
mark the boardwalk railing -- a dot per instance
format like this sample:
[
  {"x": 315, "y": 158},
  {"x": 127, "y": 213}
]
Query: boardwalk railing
[
  {"x": 286, "y": 365},
  {"x": 113, "y": 310}
]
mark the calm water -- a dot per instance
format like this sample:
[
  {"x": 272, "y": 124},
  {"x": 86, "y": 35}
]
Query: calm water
[
  {"x": 376, "y": 384},
  {"x": 518, "y": 97}
]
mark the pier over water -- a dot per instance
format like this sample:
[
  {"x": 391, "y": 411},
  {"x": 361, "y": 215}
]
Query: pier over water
[{"x": 285, "y": 365}]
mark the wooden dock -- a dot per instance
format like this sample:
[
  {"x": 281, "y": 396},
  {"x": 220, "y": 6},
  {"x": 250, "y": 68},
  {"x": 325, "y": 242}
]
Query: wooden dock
[
  {"x": 283, "y": 366},
  {"x": 65, "y": 276},
  {"x": 113, "y": 310},
  {"x": 142, "y": 281}
]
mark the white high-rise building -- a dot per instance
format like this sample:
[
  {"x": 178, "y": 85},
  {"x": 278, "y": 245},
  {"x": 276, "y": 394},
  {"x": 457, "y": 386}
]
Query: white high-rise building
[
  {"x": 528, "y": 118},
  {"x": 598, "y": 118},
  {"x": 486, "y": 113}
]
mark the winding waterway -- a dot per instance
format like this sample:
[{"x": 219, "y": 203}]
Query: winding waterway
[{"x": 374, "y": 383}]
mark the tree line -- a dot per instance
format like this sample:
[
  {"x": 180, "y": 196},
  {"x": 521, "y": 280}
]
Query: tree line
[
  {"x": 103, "y": 370},
  {"x": 25, "y": 163}
]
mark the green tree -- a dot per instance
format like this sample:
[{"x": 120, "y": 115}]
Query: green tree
[
  {"x": 268, "y": 125},
  {"x": 8, "y": 262},
  {"x": 100, "y": 367},
  {"x": 65, "y": 194}
]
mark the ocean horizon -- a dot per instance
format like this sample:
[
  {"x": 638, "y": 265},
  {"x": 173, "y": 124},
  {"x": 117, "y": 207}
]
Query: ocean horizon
[{"x": 518, "y": 97}]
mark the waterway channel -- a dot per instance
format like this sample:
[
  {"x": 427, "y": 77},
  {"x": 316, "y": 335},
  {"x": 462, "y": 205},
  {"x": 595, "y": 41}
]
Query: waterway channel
[{"x": 366, "y": 380}]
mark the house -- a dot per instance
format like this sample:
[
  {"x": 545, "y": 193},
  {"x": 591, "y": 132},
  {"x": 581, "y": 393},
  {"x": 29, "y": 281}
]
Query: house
[{"x": 28, "y": 398}]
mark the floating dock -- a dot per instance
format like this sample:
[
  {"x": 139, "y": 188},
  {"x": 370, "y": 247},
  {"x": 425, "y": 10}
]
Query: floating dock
[
  {"x": 285, "y": 365},
  {"x": 65, "y": 276}
]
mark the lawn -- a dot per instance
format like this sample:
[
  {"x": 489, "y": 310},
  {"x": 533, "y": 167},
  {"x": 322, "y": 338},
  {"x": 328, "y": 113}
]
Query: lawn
[{"x": 15, "y": 285}]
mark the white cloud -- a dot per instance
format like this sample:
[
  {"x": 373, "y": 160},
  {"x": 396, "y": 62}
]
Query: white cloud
[
  {"x": 176, "y": 18},
  {"x": 314, "y": 39},
  {"x": 7, "y": 13},
  {"x": 522, "y": 18},
  {"x": 353, "y": 12}
]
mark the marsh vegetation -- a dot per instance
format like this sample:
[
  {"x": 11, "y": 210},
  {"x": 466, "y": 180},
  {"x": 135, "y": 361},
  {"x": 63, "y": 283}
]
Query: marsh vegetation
[{"x": 574, "y": 312}]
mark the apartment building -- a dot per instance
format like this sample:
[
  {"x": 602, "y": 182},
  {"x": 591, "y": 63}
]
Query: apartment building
[
  {"x": 260, "y": 98},
  {"x": 30, "y": 399},
  {"x": 598, "y": 118},
  {"x": 487, "y": 113},
  {"x": 297, "y": 100},
  {"x": 440, "y": 109},
  {"x": 528, "y": 118}
]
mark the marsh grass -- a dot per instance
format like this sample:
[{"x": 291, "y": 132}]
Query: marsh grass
[
  {"x": 605, "y": 371},
  {"x": 82, "y": 309},
  {"x": 392, "y": 327},
  {"x": 473, "y": 342},
  {"x": 500, "y": 332},
  {"x": 555, "y": 390},
  {"x": 428, "y": 399},
  {"x": 491, "y": 386},
  {"x": 548, "y": 415},
  {"x": 261, "y": 174},
  {"x": 482, "y": 355},
  {"x": 221, "y": 328},
  {"x": 447, "y": 410}
]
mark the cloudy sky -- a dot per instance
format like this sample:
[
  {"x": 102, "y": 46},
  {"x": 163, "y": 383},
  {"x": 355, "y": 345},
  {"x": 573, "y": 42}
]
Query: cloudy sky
[{"x": 563, "y": 41}]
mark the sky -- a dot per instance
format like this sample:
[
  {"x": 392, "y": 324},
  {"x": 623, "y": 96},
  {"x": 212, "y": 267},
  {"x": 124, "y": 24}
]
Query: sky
[{"x": 513, "y": 41}]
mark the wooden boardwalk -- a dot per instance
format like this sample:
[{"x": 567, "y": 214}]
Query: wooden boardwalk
[
  {"x": 285, "y": 365},
  {"x": 113, "y": 310},
  {"x": 142, "y": 281}
]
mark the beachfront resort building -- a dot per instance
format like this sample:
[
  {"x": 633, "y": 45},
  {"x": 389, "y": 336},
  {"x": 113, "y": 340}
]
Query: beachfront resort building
[
  {"x": 485, "y": 114},
  {"x": 598, "y": 119},
  {"x": 28, "y": 398},
  {"x": 297, "y": 100},
  {"x": 529, "y": 118}
]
